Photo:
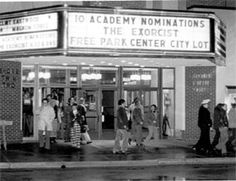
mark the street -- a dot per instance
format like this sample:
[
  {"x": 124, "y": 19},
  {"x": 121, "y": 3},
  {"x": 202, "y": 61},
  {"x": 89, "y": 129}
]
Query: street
[{"x": 177, "y": 172}]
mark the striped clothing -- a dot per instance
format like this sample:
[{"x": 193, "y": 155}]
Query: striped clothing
[{"x": 76, "y": 135}]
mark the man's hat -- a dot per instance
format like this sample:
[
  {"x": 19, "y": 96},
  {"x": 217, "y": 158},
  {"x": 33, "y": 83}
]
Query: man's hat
[{"x": 205, "y": 101}]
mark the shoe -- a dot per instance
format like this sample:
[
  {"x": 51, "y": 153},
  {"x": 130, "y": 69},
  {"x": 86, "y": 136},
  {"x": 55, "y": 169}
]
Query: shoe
[
  {"x": 115, "y": 152},
  {"x": 124, "y": 152},
  {"x": 89, "y": 142},
  {"x": 129, "y": 141},
  {"x": 194, "y": 148},
  {"x": 224, "y": 155}
]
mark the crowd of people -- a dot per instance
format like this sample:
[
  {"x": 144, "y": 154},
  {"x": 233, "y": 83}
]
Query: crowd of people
[
  {"x": 67, "y": 123},
  {"x": 70, "y": 125},
  {"x": 223, "y": 125},
  {"x": 129, "y": 125}
]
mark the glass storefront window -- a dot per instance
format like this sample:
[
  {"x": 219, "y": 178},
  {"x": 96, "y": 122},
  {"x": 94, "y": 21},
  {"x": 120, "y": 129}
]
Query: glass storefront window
[
  {"x": 73, "y": 76},
  {"x": 168, "y": 78},
  {"x": 145, "y": 76},
  {"x": 150, "y": 77},
  {"x": 28, "y": 74},
  {"x": 52, "y": 74},
  {"x": 98, "y": 75},
  {"x": 131, "y": 76}
]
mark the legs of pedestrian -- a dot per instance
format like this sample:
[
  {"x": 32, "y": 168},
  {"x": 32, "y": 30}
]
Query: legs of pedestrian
[
  {"x": 121, "y": 141},
  {"x": 222, "y": 140},
  {"x": 41, "y": 139},
  {"x": 150, "y": 133},
  {"x": 124, "y": 145},
  {"x": 117, "y": 146},
  {"x": 77, "y": 134},
  {"x": 138, "y": 134},
  {"x": 156, "y": 133},
  {"x": 216, "y": 138},
  {"x": 47, "y": 140}
]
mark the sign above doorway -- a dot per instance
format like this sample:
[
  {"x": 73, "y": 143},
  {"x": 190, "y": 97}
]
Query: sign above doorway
[{"x": 110, "y": 32}]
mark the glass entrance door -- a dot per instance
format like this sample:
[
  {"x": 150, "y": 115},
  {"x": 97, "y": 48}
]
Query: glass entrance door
[{"x": 108, "y": 109}]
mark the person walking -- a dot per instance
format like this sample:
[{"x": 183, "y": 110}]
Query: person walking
[
  {"x": 220, "y": 125},
  {"x": 67, "y": 118},
  {"x": 54, "y": 104},
  {"x": 152, "y": 124},
  {"x": 232, "y": 127},
  {"x": 76, "y": 126},
  {"x": 138, "y": 119},
  {"x": 85, "y": 138},
  {"x": 221, "y": 129},
  {"x": 46, "y": 117},
  {"x": 129, "y": 113},
  {"x": 204, "y": 123},
  {"x": 122, "y": 127}
]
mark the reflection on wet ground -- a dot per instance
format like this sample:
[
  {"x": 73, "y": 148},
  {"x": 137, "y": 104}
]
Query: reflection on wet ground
[
  {"x": 100, "y": 150},
  {"x": 164, "y": 173}
]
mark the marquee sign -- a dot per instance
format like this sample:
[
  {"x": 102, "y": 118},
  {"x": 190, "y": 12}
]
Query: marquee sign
[
  {"x": 29, "y": 32},
  {"x": 82, "y": 31},
  {"x": 95, "y": 30}
]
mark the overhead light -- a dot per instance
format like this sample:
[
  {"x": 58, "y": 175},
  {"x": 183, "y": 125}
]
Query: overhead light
[
  {"x": 91, "y": 74},
  {"x": 65, "y": 64},
  {"x": 123, "y": 61},
  {"x": 130, "y": 63},
  {"x": 109, "y": 63},
  {"x": 83, "y": 63}
]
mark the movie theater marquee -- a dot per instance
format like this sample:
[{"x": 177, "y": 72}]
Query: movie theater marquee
[
  {"x": 86, "y": 31},
  {"x": 117, "y": 31}
]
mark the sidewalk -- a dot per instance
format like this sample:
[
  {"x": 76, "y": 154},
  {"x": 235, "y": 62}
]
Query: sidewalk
[{"x": 99, "y": 154}]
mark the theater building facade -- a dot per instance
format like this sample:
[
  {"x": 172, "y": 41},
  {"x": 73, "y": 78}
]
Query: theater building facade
[{"x": 165, "y": 57}]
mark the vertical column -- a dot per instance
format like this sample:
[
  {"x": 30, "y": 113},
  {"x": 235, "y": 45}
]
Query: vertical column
[
  {"x": 160, "y": 97},
  {"x": 37, "y": 99}
]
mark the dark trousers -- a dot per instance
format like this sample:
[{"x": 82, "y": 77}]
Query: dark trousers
[
  {"x": 204, "y": 140},
  {"x": 67, "y": 134},
  {"x": 216, "y": 137},
  {"x": 44, "y": 140}
]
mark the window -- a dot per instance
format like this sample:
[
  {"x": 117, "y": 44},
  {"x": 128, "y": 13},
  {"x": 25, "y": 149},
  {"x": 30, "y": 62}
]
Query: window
[{"x": 28, "y": 74}]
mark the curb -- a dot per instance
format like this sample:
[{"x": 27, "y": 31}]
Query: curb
[{"x": 104, "y": 164}]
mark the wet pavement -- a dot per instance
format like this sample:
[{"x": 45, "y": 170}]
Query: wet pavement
[
  {"x": 163, "y": 173},
  {"x": 99, "y": 152}
]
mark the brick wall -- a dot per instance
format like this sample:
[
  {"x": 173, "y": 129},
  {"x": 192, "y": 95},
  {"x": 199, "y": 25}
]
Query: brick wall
[
  {"x": 200, "y": 84},
  {"x": 10, "y": 99}
]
